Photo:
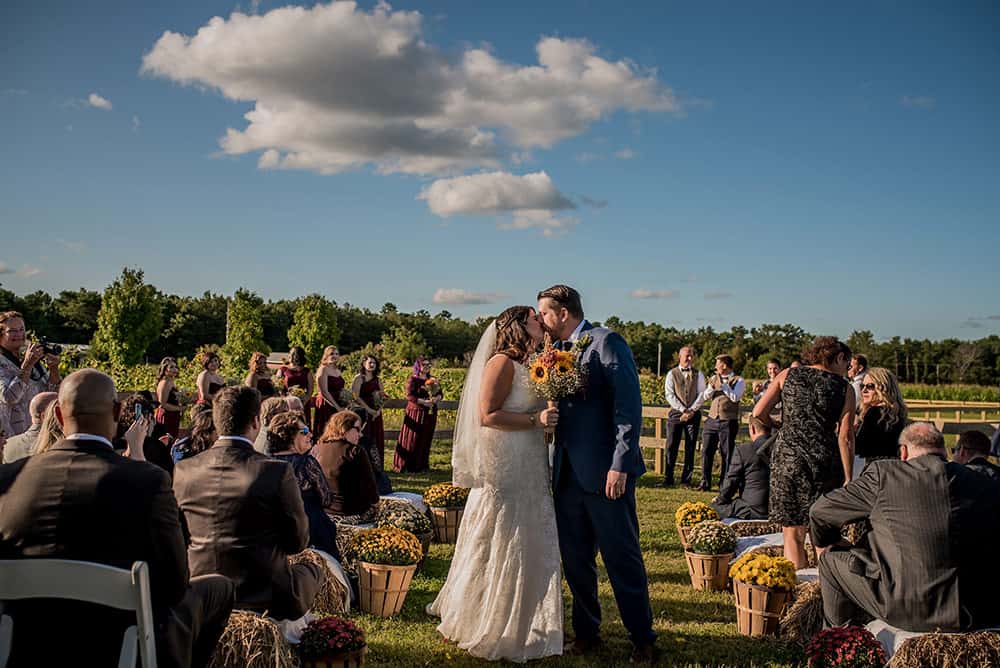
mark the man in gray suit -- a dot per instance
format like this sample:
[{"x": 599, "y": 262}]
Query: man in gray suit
[
  {"x": 929, "y": 560},
  {"x": 23, "y": 445}
]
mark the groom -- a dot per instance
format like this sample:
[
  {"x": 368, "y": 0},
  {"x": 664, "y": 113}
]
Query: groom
[{"x": 597, "y": 462}]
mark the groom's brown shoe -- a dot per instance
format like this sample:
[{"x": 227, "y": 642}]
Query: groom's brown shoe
[{"x": 585, "y": 646}]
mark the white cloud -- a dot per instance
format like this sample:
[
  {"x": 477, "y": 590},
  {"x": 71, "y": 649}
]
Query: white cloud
[
  {"x": 28, "y": 271},
  {"x": 546, "y": 222},
  {"x": 718, "y": 295},
  {"x": 335, "y": 87},
  {"x": 4, "y": 269},
  {"x": 625, "y": 154},
  {"x": 493, "y": 192},
  {"x": 918, "y": 101},
  {"x": 643, "y": 293},
  {"x": 98, "y": 102},
  {"x": 457, "y": 296},
  {"x": 72, "y": 246},
  {"x": 136, "y": 124}
]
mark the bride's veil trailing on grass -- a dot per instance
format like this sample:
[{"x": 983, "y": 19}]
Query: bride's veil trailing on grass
[{"x": 465, "y": 459}]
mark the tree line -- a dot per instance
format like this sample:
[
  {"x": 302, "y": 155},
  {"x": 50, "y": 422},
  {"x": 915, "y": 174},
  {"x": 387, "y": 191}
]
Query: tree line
[{"x": 132, "y": 322}]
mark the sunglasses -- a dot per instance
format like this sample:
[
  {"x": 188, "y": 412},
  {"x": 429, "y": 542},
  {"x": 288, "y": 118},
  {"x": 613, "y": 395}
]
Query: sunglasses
[
  {"x": 868, "y": 387},
  {"x": 304, "y": 430}
]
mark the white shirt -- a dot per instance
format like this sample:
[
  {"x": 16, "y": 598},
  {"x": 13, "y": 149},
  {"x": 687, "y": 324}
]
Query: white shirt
[
  {"x": 236, "y": 438},
  {"x": 576, "y": 332},
  {"x": 734, "y": 392},
  {"x": 856, "y": 383},
  {"x": 89, "y": 437},
  {"x": 671, "y": 392}
]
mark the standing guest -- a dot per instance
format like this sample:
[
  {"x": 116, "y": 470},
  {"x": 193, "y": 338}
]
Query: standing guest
[
  {"x": 369, "y": 395},
  {"x": 814, "y": 450},
  {"x": 724, "y": 391},
  {"x": 297, "y": 374},
  {"x": 23, "y": 445},
  {"x": 796, "y": 362},
  {"x": 683, "y": 388},
  {"x": 413, "y": 449},
  {"x": 929, "y": 560},
  {"x": 244, "y": 514},
  {"x": 348, "y": 470},
  {"x": 137, "y": 407},
  {"x": 79, "y": 500},
  {"x": 972, "y": 450},
  {"x": 209, "y": 381},
  {"x": 749, "y": 476},
  {"x": 329, "y": 385},
  {"x": 51, "y": 431},
  {"x": 288, "y": 439},
  {"x": 168, "y": 413},
  {"x": 21, "y": 378},
  {"x": 268, "y": 409},
  {"x": 259, "y": 376},
  {"x": 201, "y": 437},
  {"x": 856, "y": 373},
  {"x": 773, "y": 369},
  {"x": 883, "y": 416}
]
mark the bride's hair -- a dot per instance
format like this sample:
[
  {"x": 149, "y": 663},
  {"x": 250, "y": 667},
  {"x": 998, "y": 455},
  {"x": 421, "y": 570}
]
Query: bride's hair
[{"x": 513, "y": 339}]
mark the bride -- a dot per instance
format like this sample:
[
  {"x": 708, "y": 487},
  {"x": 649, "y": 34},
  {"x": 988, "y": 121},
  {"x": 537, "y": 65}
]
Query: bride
[{"x": 503, "y": 595}]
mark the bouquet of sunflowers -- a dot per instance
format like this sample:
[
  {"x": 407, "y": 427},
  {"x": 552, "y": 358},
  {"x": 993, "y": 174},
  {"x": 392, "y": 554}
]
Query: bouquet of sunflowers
[
  {"x": 433, "y": 386},
  {"x": 446, "y": 495},
  {"x": 386, "y": 545},
  {"x": 555, "y": 373},
  {"x": 297, "y": 391},
  {"x": 712, "y": 537},
  {"x": 693, "y": 512},
  {"x": 765, "y": 571}
]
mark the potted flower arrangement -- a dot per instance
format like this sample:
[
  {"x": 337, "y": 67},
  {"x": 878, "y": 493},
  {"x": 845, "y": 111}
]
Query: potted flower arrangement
[
  {"x": 332, "y": 642},
  {"x": 762, "y": 585},
  {"x": 447, "y": 504},
  {"x": 386, "y": 561},
  {"x": 845, "y": 647},
  {"x": 689, "y": 514},
  {"x": 405, "y": 516},
  {"x": 711, "y": 546}
]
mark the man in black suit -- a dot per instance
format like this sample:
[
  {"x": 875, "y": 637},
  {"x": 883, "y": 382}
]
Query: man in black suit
[
  {"x": 749, "y": 476},
  {"x": 972, "y": 449},
  {"x": 243, "y": 512},
  {"x": 929, "y": 559},
  {"x": 80, "y": 500}
]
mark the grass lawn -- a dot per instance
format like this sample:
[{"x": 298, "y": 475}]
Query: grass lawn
[{"x": 694, "y": 628}]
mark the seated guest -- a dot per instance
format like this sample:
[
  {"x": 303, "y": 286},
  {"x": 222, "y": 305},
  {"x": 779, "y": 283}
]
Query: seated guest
[
  {"x": 138, "y": 406},
  {"x": 244, "y": 514},
  {"x": 202, "y": 434},
  {"x": 883, "y": 416},
  {"x": 268, "y": 409},
  {"x": 972, "y": 450},
  {"x": 51, "y": 431},
  {"x": 749, "y": 475},
  {"x": 348, "y": 469},
  {"x": 23, "y": 445},
  {"x": 928, "y": 559},
  {"x": 288, "y": 440},
  {"x": 79, "y": 500}
]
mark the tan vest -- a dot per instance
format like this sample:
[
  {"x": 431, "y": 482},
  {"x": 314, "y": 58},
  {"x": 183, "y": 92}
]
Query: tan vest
[
  {"x": 686, "y": 390},
  {"x": 722, "y": 408}
]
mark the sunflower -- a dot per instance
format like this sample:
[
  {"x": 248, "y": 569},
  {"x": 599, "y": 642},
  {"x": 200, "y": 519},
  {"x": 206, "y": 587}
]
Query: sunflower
[
  {"x": 566, "y": 357},
  {"x": 539, "y": 374},
  {"x": 563, "y": 367}
]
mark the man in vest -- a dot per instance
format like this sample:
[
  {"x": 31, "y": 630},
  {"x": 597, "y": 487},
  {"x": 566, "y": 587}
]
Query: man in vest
[
  {"x": 725, "y": 390},
  {"x": 683, "y": 388}
]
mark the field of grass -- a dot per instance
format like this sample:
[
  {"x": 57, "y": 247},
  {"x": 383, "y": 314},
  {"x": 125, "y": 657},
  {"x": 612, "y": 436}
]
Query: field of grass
[{"x": 695, "y": 628}]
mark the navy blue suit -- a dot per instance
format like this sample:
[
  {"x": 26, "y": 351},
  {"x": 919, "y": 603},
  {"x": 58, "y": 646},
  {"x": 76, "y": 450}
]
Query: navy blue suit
[{"x": 598, "y": 431}]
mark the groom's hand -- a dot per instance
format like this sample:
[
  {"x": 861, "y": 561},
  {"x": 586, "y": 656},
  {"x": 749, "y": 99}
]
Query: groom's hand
[{"x": 615, "y": 486}]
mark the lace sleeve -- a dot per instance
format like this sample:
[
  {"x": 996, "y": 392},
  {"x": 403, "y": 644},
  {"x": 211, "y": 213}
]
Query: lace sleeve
[{"x": 313, "y": 478}]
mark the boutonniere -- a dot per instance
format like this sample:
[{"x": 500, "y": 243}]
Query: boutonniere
[{"x": 582, "y": 342}]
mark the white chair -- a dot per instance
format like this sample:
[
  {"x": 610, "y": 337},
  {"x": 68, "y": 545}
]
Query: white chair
[{"x": 83, "y": 581}]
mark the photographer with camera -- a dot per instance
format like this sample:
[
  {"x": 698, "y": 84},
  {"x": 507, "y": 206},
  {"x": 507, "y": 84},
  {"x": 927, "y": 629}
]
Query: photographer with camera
[{"x": 21, "y": 378}]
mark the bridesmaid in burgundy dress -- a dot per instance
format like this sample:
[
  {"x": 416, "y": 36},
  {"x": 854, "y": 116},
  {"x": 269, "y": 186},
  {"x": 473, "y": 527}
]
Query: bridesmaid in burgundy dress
[
  {"x": 168, "y": 414},
  {"x": 209, "y": 380},
  {"x": 413, "y": 450},
  {"x": 259, "y": 376},
  {"x": 369, "y": 393},
  {"x": 297, "y": 374},
  {"x": 329, "y": 386}
]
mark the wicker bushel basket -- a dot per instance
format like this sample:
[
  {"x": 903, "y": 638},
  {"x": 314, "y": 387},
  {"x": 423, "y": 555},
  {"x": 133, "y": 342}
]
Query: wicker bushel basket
[
  {"x": 758, "y": 609},
  {"x": 446, "y": 522},
  {"x": 425, "y": 546},
  {"x": 355, "y": 659},
  {"x": 683, "y": 532},
  {"x": 709, "y": 572},
  {"x": 382, "y": 589}
]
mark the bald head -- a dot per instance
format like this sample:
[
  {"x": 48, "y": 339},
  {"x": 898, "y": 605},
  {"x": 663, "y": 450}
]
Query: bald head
[
  {"x": 88, "y": 403},
  {"x": 38, "y": 405},
  {"x": 920, "y": 438}
]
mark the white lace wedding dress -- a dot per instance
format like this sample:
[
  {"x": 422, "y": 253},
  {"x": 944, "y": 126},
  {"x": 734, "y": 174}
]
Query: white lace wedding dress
[{"x": 503, "y": 595}]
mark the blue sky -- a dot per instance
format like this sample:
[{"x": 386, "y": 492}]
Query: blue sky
[{"x": 833, "y": 166}]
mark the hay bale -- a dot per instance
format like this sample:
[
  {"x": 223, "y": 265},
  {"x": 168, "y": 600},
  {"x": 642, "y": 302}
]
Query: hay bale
[
  {"x": 252, "y": 641},
  {"x": 949, "y": 650},
  {"x": 804, "y": 618},
  {"x": 333, "y": 598},
  {"x": 853, "y": 532},
  {"x": 779, "y": 551},
  {"x": 747, "y": 528}
]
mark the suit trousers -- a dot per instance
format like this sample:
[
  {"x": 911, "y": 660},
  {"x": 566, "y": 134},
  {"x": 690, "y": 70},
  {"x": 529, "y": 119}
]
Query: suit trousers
[
  {"x": 848, "y": 597},
  {"x": 719, "y": 434},
  {"x": 189, "y": 632},
  {"x": 588, "y": 522},
  {"x": 676, "y": 428}
]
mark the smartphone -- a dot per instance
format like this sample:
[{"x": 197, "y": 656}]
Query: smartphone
[{"x": 138, "y": 411}]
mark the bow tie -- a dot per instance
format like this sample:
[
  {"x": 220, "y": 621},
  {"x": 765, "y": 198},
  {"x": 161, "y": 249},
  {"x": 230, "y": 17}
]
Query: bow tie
[{"x": 688, "y": 370}]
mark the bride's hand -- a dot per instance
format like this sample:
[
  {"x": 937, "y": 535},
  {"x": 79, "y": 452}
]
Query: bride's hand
[{"x": 549, "y": 417}]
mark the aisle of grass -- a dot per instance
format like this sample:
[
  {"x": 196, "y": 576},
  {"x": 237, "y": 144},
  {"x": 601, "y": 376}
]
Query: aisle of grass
[{"x": 695, "y": 628}]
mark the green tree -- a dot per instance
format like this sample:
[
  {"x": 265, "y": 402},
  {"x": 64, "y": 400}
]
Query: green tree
[
  {"x": 403, "y": 345},
  {"x": 76, "y": 311},
  {"x": 314, "y": 327},
  {"x": 244, "y": 329},
  {"x": 129, "y": 320}
]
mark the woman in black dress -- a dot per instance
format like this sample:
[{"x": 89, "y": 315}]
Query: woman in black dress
[
  {"x": 883, "y": 416},
  {"x": 814, "y": 450}
]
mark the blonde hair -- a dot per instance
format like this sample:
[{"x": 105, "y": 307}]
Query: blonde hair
[
  {"x": 889, "y": 396},
  {"x": 51, "y": 431},
  {"x": 338, "y": 425},
  {"x": 327, "y": 354}
]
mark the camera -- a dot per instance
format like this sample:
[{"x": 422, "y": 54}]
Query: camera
[{"x": 50, "y": 348}]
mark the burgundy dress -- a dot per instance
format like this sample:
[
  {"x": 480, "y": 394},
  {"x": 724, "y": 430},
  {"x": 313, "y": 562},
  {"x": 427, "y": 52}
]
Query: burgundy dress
[
  {"x": 413, "y": 449},
  {"x": 171, "y": 420},
  {"x": 298, "y": 378},
  {"x": 374, "y": 428},
  {"x": 324, "y": 410},
  {"x": 213, "y": 389}
]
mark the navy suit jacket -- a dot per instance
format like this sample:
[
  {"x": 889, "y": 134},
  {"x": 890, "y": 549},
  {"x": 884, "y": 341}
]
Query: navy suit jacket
[{"x": 599, "y": 427}]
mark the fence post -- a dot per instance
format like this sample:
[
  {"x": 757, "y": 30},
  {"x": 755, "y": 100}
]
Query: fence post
[{"x": 660, "y": 454}]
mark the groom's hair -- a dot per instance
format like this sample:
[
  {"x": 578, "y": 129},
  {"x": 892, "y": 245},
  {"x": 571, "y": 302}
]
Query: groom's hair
[{"x": 566, "y": 297}]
